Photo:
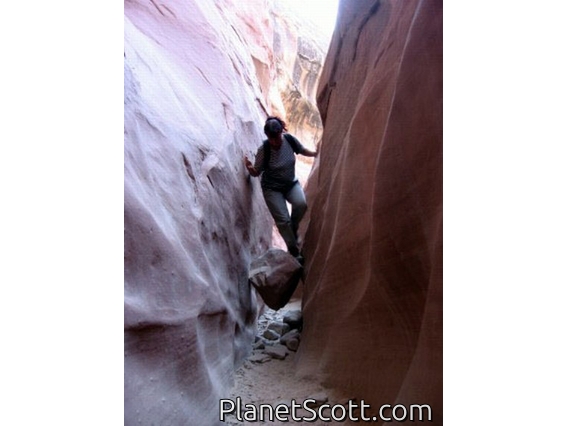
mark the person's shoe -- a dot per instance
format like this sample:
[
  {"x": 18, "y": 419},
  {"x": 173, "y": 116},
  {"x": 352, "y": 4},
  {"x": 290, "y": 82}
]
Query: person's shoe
[{"x": 294, "y": 251}]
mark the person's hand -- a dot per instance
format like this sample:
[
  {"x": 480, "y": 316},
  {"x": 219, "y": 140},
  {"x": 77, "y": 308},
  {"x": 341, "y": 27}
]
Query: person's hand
[{"x": 252, "y": 171}]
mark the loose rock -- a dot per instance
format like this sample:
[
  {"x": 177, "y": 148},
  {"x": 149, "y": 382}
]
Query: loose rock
[
  {"x": 293, "y": 344},
  {"x": 259, "y": 345},
  {"x": 276, "y": 351},
  {"x": 279, "y": 327},
  {"x": 269, "y": 342},
  {"x": 260, "y": 358},
  {"x": 291, "y": 335},
  {"x": 293, "y": 319},
  {"x": 270, "y": 335}
]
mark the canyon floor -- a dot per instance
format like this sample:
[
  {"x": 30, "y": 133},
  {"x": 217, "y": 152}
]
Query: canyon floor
[{"x": 273, "y": 382}]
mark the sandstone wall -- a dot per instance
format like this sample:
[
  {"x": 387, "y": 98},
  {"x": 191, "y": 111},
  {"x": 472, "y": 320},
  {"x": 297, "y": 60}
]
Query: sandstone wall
[
  {"x": 299, "y": 50},
  {"x": 373, "y": 293},
  {"x": 288, "y": 55},
  {"x": 195, "y": 101},
  {"x": 193, "y": 221}
]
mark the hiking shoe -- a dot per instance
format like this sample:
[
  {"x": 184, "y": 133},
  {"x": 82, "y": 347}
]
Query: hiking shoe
[{"x": 294, "y": 251}]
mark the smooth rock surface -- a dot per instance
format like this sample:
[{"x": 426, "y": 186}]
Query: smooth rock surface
[
  {"x": 195, "y": 99},
  {"x": 374, "y": 240}
]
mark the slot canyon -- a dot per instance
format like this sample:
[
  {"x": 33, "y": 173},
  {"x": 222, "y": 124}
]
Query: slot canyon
[{"x": 200, "y": 78}]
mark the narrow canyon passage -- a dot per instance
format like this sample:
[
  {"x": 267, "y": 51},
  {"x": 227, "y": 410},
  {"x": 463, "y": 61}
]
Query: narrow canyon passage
[
  {"x": 270, "y": 377},
  {"x": 200, "y": 78}
]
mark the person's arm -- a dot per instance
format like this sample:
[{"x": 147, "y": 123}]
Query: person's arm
[
  {"x": 252, "y": 171},
  {"x": 309, "y": 153},
  {"x": 301, "y": 149}
]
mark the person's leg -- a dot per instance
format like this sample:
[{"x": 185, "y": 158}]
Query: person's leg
[
  {"x": 297, "y": 199},
  {"x": 276, "y": 204}
]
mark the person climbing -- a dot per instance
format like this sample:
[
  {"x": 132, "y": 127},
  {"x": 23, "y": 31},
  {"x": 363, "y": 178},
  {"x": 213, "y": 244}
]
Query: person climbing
[{"x": 276, "y": 161}]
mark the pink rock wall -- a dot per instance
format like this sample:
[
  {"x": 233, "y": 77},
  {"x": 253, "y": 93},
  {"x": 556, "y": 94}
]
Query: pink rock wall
[
  {"x": 373, "y": 292},
  {"x": 195, "y": 102},
  {"x": 193, "y": 220}
]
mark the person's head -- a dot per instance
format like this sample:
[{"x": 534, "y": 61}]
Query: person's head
[{"x": 274, "y": 127}]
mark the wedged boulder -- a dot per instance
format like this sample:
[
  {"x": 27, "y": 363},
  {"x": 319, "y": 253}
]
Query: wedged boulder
[{"x": 275, "y": 275}]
